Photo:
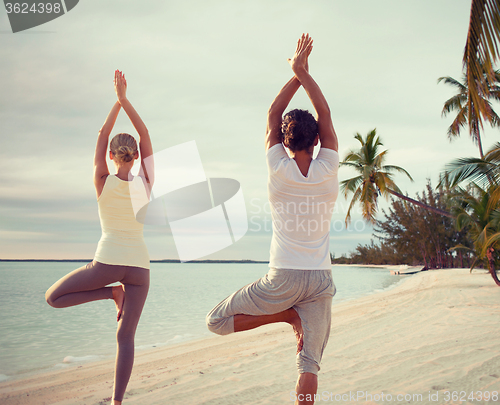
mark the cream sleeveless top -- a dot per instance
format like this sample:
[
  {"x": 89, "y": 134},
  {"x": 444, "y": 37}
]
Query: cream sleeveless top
[{"x": 122, "y": 241}]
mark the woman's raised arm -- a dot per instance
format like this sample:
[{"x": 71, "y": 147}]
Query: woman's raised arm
[
  {"x": 145, "y": 146},
  {"x": 101, "y": 170}
]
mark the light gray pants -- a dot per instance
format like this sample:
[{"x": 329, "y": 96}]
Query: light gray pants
[
  {"x": 88, "y": 283},
  {"x": 309, "y": 292}
]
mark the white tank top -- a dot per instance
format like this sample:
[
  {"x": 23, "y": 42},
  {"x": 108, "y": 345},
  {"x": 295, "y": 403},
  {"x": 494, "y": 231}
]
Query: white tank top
[{"x": 122, "y": 241}]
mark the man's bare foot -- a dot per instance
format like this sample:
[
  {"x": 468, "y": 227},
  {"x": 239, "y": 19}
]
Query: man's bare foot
[
  {"x": 119, "y": 298},
  {"x": 293, "y": 319}
]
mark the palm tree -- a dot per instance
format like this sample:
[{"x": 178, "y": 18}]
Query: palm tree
[
  {"x": 467, "y": 115},
  {"x": 374, "y": 178},
  {"x": 475, "y": 212},
  {"x": 481, "y": 51}
]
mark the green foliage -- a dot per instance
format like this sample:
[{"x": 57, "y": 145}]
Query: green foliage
[
  {"x": 476, "y": 214},
  {"x": 468, "y": 116},
  {"x": 341, "y": 260},
  {"x": 484, "y": 172},
  {"x": 374, "y": 177},
  {"x": 481, "y": 51},
  {"x": 379, "y": 254},
  {"x": 420, "y": 234},
  {"x": 410, "y": 234}
]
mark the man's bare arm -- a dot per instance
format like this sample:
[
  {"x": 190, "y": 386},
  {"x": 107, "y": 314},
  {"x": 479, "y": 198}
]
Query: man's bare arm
[
  {"x": 275, "y": 112},
  {"x": 327, "y": 135},
  {"x": 279, "y": 105}
]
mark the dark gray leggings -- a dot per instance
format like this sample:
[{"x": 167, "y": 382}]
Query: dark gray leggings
[{"x": 88, "y": 283}]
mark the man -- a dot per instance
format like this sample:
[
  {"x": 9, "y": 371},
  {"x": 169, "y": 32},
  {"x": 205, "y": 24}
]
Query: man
[{"x": 302, "y": 191}]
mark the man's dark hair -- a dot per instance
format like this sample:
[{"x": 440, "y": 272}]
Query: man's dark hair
[{"x": 298, "y": 130}]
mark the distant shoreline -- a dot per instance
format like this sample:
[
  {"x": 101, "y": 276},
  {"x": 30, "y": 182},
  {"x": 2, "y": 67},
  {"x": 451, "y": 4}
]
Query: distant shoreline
[{"x": 152, "y": 261}]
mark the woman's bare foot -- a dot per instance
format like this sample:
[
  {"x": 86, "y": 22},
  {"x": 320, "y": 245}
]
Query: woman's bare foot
[
  {"x": 119, "y": 298},
  {"x": 115, "y": 402},
  {"x": 293, "y": 319}
]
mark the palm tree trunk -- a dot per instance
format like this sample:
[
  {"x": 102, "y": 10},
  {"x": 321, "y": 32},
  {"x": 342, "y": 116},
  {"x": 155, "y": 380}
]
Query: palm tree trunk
[
  {"x": 479, "y": 143},
  {"x": 420, "y": 204},
  {"x": 491, "y": 262}
]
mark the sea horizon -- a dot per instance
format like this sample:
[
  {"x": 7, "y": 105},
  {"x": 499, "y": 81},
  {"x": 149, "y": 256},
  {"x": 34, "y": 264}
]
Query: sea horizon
[{"x": 152, "y": 261}]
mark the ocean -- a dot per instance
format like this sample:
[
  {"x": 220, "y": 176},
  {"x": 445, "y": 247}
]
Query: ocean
[{"x": 35, "y": 337}]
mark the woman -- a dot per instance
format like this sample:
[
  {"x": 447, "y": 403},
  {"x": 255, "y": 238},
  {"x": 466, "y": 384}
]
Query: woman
[{"x": 121, "y": 254}]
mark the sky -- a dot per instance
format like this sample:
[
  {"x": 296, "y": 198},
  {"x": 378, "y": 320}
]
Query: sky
[{"x": 208, "y": 71}]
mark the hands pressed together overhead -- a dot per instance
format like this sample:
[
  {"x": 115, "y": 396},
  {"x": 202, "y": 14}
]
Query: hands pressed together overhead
[
  {"x": 120, "y": 85},
  {"x": 300, "y": 58}
]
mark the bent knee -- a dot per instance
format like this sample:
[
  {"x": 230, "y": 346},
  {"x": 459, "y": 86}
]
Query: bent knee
[
  {"x": 307, "y": 365},
  {"x": 211, "y": 324},
  {"x": 220, "y": 326},
  {"x": 50, "y": 298}
]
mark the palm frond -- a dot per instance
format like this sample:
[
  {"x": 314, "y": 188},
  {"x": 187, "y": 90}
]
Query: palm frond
[
  {"x": 493, "y": 155},
  {"x": 462, "y": 220},
  {"x": 493, "y": 203},
  {"x": 379, "y": 158},
  {"x": 453, "y": 82},
  {"x": 493, "y": 117},
  {"x": 352, "y": 156},
  {"x": 454, "y": 103},
  {"x": 356, "y": 166},
  {"x": 354, "y": 200},
  {"x": 350, "y": 185},
  {"x": 489, "y": 242},
  {"x": 359, "y": 138},
  {"x": 476, "y": 259},
  {"x": 472, "y": 169},
  {"x": 368, "y": 199},
  {"x": 460, "y": 247},
  {"x": 399, "y": 169},
  {"x": 384, "y": 182},
  {"x": 458, "y": 123},
  {"x": 481, "y": 49}
]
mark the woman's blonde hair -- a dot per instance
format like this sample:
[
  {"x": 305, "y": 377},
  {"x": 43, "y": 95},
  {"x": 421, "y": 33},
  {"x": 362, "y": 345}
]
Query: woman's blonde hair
[{"x": 124, "y": 147}]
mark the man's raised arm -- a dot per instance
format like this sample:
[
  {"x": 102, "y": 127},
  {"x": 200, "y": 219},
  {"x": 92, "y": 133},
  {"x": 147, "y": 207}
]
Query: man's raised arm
[
  {"x": 327, "y": 135},
  {"x": 279, "y": 105},
  {"x": 275, "y": 112}
]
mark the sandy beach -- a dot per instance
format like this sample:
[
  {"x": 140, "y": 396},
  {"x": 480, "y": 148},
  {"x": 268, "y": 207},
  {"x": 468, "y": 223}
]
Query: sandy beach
[{"x": 434, "y": 339}]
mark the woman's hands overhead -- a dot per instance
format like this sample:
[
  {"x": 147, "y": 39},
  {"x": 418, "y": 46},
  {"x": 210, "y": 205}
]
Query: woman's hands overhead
[{"x": 120, "y": 85}]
